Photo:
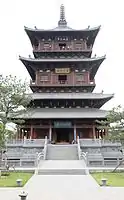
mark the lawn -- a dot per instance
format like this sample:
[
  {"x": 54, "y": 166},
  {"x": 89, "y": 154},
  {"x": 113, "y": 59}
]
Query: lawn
[
  {"x": 114, "y": 179},
  {"x": 10, "y": 181}
]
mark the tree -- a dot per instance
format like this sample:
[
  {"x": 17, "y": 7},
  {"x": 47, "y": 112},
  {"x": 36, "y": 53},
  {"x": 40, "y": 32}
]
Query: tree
[
  {"x": 13, "y": 100},
  {"x": 114, "y": 123}
]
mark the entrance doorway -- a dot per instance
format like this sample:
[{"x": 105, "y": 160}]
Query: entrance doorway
[{"x": 62, "y": 135}]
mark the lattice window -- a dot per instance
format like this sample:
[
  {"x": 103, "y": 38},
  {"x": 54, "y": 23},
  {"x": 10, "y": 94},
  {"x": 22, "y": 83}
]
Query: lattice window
[
  {"x": 80, "y": 77},
  {"x": 47, "y": 46},
  {"x": 44, "y": 78},
  {"x": 78, "y": 45}
]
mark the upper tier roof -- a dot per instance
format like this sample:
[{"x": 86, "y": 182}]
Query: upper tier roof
[
  {"x": 88, "y": 33},
  {"x": 91, "y": 64},
  {"x": 63, "y": 30},
  {"x": 97, "y": 99}
]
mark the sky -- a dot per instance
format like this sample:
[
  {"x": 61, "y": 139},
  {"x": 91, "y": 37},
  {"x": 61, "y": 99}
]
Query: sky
[{"x": 16, "y": 14}]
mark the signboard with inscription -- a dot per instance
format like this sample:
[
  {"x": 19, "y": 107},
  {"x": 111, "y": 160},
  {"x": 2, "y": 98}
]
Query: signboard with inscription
[
  {"x": 62, "y": 70},
  {"x": 61, "y": 124}
]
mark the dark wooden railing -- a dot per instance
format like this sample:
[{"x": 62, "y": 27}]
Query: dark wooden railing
[
  {"x": 44, "y": 83},
  {"x": 52, "y": 49}
]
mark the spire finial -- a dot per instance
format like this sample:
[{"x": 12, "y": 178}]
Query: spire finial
[{"x": 62, "y": 21}]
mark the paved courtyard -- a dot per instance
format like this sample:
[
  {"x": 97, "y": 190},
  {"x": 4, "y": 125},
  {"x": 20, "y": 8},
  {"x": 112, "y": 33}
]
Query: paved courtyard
[{"x": 63, "y": 187}]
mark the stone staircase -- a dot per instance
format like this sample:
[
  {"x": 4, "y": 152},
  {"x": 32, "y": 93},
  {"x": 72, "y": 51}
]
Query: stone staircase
[
  {"x": 62, "y": 167},
  {"x": 62, "y": 172},
  {"x": 62, "y": 152}
]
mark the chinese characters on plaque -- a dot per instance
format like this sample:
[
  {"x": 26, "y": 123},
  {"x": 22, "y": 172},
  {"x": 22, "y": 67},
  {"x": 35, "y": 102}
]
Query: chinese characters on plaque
[{"x": 62, "y": 70}]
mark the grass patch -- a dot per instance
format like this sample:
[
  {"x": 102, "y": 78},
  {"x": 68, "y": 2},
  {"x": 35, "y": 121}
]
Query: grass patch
[
  {"x": 114, "y": 179},
  {"x": 10, "y": 179}
]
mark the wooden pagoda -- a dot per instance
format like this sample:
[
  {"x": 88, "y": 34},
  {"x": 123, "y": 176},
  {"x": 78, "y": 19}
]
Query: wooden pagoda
[{"x": 62, "y": 81}]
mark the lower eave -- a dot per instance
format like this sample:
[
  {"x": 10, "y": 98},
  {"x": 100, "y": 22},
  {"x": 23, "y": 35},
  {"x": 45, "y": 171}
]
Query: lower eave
[
  {"x": 63, "y": 113},
  {"x": 71, "y": 95}
]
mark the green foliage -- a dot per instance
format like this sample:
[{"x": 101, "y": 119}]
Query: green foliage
[
  {"x": 13, "y": 100},
  {"x": 114, "y": 123},
  {"x": 2, "y": 136},
  {"x": 12, "y": 96}
]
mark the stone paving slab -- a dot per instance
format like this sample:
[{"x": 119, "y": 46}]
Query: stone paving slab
[
  {"x": 9, "y": 193},
  {"x": 62, "y": 164},
  {"x": 63, "y": 188},
  {"x": 70, "y": 187}
]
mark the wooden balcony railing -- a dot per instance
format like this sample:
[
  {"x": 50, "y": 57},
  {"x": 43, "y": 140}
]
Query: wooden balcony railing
[
  {"x": 44, "y": 83},
  {"x": 39, "y": 49}
]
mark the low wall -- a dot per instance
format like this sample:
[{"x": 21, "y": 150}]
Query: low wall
[{"x": 21, "y": 156}]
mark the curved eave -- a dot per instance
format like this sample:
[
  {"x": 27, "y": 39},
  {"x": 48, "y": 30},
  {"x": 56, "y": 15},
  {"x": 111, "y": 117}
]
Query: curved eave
[
  {"x": 95, "y": 67},
  {"x": 88, "y": 32},
  {"x": 87, "y": 96},
  {"x": 69, "y": 60},
  {"x": 98, "y": 100},
  {"x": 32, "y": 64},
  {"x": 29, "y": 68}
]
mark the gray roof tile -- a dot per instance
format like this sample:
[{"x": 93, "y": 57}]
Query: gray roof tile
[{"x": 63, "y": 113}]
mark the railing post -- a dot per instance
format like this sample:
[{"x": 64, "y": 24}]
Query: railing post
[
  {"x": 79, "y": 150},
  {"x": 50, "y": 132},
  {"x": 75, "y": 132},
  {"x": 45, "y": 147}
]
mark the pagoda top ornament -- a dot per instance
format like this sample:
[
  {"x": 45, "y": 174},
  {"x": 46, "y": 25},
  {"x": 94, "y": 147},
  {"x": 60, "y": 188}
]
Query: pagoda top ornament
[{"x": 62, "y": 22}]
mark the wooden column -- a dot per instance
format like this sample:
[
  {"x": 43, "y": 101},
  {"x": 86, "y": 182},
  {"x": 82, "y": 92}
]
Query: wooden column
[
  {"x": 22, "y": 134},
  {"x": 50, "y": 132},
  {"x": 31, "y": 132},
  {"x": 75, "y": 132},
  {"x": 94, "y": 132}
]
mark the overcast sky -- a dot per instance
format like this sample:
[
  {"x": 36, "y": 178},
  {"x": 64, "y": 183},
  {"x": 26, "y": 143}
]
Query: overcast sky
[{"x": 44, "y": 14}]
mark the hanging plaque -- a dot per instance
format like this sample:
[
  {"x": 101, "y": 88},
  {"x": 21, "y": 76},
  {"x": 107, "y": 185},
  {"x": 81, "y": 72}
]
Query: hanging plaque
[
  {"x": 62, "y": 70},
  {"x": 62, "y": 124}
]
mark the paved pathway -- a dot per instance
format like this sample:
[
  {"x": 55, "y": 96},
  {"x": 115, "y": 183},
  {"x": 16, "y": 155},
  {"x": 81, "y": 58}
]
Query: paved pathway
[{"x": 59, "y": 187}]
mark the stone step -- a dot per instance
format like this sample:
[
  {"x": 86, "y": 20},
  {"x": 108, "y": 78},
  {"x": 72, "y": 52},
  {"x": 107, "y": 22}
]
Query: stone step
[
  {"x": 62, "y": 172},
  {"x": 62, "y": 152}
]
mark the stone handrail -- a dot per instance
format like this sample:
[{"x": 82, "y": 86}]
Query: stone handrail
[
  {"x": 45, "y": 148},
  {"x": 41, "y": 155},
  {"x": 81, "y": 154},
  {"x": 79, "y": 149}
]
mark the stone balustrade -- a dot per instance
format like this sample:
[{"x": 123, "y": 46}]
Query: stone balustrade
[
  {"x": 26, "y": 142},
  {"x": 98, "y": 142}
]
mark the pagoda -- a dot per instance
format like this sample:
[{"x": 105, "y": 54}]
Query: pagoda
[{"x": 62, "y": 75}]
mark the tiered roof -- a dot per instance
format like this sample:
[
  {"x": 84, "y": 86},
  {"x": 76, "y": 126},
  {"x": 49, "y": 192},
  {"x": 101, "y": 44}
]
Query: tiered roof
[
  {"x": 89, "y": 64},
  {"x": 89, "y": 33}
]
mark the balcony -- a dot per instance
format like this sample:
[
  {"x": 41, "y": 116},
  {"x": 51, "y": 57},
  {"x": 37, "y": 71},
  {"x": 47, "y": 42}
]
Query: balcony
[
  {"x": 65, "y": 84},
  {"x": 39, "y": 49}
]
